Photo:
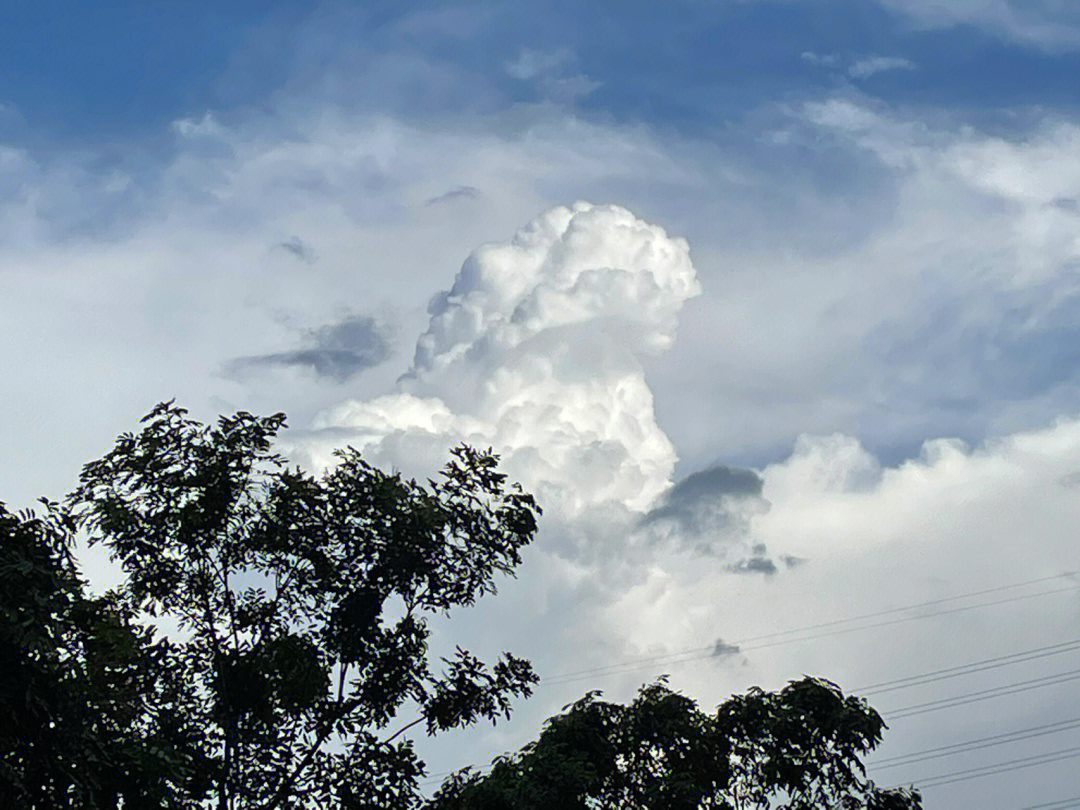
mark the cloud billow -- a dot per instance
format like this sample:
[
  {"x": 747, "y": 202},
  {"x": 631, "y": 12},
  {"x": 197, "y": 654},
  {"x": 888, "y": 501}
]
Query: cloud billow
[{"x": 534, "y": 351}]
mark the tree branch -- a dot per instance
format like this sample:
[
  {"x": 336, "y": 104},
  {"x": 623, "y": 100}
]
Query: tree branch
[
  {"x": 403, "y": 729},
  {"x": 287, "y": 783}
]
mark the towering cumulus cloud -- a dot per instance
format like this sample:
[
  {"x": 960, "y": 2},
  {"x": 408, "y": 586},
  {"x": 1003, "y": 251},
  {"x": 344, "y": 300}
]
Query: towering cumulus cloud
[{"x": 534, "y": 351}]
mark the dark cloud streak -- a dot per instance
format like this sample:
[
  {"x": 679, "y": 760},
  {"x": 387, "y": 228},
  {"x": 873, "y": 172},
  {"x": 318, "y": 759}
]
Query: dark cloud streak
[
  {"x": 458, "y": 193},
  {"x": 298, "y": 248},
  {"x": 337, "y": 351},
  {"x": 754, "y": 565},
  {"x": 723, "y": 650}
]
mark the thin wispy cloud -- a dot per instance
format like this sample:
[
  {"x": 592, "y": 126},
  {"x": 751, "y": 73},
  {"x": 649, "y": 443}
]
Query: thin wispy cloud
[
  {"x": 1048, "y": 24},
  {"x": 826, "y": 59},
  {"x": 869, "y": 65}
]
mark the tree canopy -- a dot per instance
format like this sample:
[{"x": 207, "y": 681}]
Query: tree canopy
[
  {"x": 796, "y": 749},
  {"x": 296, "y": 610},
  {"x": 93, "y": 709}
]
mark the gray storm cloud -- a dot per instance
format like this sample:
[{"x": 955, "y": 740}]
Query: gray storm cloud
[
  {"x": 710, "y": 512},
  {"x": 682, "y": 502}
]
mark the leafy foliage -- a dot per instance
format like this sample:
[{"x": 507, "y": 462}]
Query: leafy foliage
[
  {"x": 796, "y": 749},
  {"x": 93, "y": 710},
  {"x": 297, "y": 613}
]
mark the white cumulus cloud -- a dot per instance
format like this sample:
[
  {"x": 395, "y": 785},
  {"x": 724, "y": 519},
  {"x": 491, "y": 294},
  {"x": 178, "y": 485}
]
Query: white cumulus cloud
[{"x": 534, "y": 351}]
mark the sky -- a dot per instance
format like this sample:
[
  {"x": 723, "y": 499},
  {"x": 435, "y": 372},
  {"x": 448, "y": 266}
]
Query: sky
[{"x": 774, "y": 305}]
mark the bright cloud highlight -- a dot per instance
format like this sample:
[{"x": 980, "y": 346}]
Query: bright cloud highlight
[{"x": 533, "y": 350}]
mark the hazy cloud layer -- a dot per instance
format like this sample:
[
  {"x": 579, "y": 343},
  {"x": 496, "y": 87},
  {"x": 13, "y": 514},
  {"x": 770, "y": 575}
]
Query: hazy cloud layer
[{"x": 940, "y": 304}]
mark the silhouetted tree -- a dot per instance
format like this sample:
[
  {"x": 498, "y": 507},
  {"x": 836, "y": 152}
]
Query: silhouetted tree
[
  {"x": 271, "y": 629},
  {"x": 796, "y": 749},
  {"x": 93, "y": 709}
]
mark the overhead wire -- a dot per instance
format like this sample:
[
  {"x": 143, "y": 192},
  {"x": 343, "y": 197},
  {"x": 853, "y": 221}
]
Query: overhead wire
[
  {"x": 941, "y": 780},
  {"x": 1007, "y": 766},
  {"x": 835, "y": 627},
  {"x": 1060, "y": 804},
  {"x": 959, "y": 700},
  {"x": 977, "y": 744},
  {"x": 778, "y": 638},
  {"x": 983, "y": 694},
  {"x": 967, "y": 669}
]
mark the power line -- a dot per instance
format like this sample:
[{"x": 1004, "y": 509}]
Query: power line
[
  {"x": 959, "y": 700},
  {"x": 984, "y": 694},
  {"x": 835, "y": 622},
  {"x": 778, "y": 638},
  {"x": 1060, "y": 804},
  {"x": 996, "y": 768},
  {"x": 975, "y": 745},
  {"x": 967, "y": 669},
  {"x": 888, "y": 611}
]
